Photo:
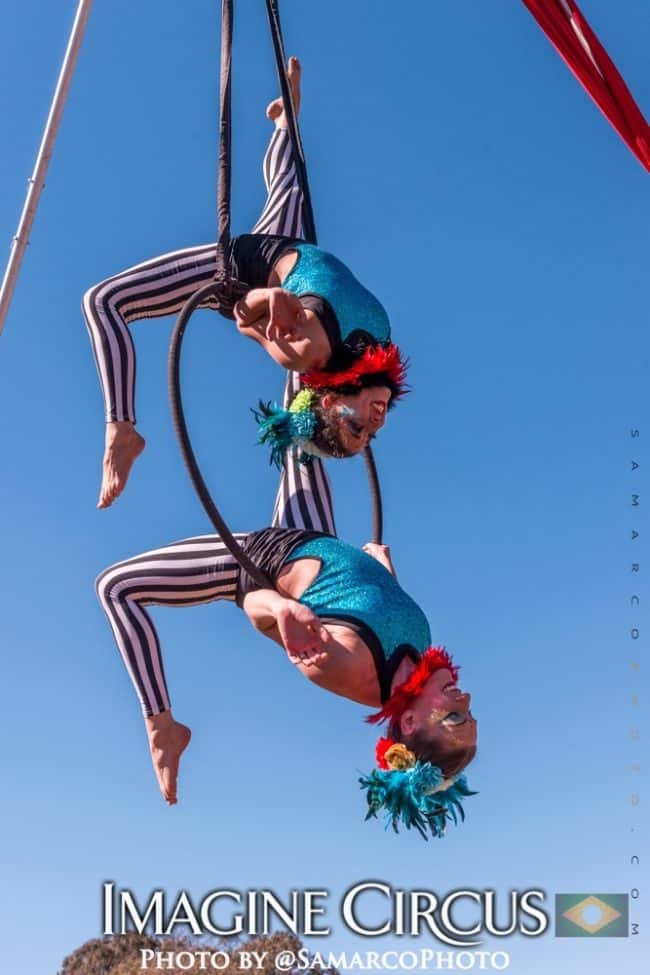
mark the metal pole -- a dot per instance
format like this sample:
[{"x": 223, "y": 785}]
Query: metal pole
[{"x": 37, "y": 180}]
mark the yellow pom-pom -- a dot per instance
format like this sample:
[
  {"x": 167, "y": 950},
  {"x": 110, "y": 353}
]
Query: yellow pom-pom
[
  {"x": 302, "y": 401},
  {"x": 399, "y": 758}
]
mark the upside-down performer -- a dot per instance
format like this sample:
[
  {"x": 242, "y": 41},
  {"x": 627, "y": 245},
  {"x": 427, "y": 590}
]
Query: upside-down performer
[
  {"x": 348, "y": 626},
  {"x": 304, "y": 307},
  {"x": 339, "y": 613}
]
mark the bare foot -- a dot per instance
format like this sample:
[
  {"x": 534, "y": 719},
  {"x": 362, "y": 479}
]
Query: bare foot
[
  {"x": 123, "y": 446},
  {"x": 168, "y": 739},
  {"x": 275, "y": 111}
]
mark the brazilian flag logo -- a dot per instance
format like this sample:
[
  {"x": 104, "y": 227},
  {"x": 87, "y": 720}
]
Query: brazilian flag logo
[{"x": 591, "y": 915}]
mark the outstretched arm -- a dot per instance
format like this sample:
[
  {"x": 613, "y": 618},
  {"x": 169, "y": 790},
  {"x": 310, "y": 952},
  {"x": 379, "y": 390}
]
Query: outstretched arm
[{"x": 291, "y": 624}]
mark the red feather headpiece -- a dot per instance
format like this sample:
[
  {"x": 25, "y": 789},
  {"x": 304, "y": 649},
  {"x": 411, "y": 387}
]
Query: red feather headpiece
[
  {"x": 433, "y": 659},
  {"x": 376, "y": 360}
]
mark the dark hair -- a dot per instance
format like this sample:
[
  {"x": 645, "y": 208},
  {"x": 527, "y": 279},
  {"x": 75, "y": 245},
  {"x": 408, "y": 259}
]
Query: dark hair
[
  {"x": 450, "y": 760},
  {"x": 327, "y": 434},
  {"x": 345, "y": 354},
  {"x": 365, "y": 382}
]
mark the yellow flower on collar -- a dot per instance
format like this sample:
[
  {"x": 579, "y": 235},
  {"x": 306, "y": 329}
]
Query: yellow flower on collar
[{"x": 399, "y": 758}]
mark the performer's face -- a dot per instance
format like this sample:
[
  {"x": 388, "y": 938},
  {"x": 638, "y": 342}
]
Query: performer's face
[
  {"x": 441, "y": 715},
  {"x": 360, "y": 415}
]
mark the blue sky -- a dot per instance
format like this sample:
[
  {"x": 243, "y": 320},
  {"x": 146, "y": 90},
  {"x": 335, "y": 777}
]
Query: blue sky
[{"x": 466, "y": 178}]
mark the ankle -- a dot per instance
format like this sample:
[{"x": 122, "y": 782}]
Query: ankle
[
  {"x": 159, "y": 723},
  {"x": 119, "y": 428}
]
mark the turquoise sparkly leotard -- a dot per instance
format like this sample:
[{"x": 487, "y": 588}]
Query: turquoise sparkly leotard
[
  {"x": 318, "y": 272},
  {"x": 352, "y": 317},
  {"x": 355, "y": 589}
]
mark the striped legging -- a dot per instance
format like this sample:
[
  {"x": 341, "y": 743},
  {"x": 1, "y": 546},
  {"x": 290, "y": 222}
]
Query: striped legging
[
  {"x": 195, "y": 570},
  {"x": 161, "y": 287},
  {"x": 185, "y": 573}
]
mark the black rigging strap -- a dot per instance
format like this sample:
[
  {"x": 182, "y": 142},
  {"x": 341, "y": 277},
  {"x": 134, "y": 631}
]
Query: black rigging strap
[
  {"x": 225, "y": 291},
  {"x": 292, "y": 122},
  {"x": 308, "y": 221}
]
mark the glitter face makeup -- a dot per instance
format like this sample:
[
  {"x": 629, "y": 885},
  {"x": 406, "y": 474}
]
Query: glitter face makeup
[
  {"x": 443, "y": 711},
  {"x": 362, "y": 415}
]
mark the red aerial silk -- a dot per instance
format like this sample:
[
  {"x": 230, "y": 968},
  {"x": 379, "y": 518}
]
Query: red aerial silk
[{"x": 569, "y": 32}]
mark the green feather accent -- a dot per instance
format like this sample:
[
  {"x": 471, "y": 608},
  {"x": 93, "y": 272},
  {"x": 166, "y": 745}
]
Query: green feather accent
[{"x": 304, "y": 400}]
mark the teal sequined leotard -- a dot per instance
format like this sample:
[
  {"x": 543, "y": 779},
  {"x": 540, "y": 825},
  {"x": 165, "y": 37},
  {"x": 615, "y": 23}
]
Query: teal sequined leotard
[
  {"x": 355, "y": 589},
  {"x": 351, "y": 316},
  {"x": 351, "y": 588},
  {"x": 317, "y": 272}
]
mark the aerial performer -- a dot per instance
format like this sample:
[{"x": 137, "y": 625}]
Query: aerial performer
[
  {"x": 304, "y": 307},
  {"x": 345, "y": 622}
]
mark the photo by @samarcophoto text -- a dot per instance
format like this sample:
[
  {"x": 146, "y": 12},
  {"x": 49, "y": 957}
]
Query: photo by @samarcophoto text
[{"x": 303, "y": 960}]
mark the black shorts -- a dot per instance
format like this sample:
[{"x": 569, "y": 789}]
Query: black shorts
[{"x": 269, "y": 549}]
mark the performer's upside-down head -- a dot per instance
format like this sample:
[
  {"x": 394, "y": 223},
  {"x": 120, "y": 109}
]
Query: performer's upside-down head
[
  {"x": 431, "y": 738},
  {"x": 336, "y": 414}
]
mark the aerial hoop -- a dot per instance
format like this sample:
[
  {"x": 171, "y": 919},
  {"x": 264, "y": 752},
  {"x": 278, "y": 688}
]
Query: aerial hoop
[
  {"x": 215, "y": 289},
  {"x": 227, "y": 291},
  {"x": 201, "y": 488}
]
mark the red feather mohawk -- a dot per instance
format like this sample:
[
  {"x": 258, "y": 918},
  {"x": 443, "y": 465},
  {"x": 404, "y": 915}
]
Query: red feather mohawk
[
  {"x": 433, "y": 659},
  {"x": 377, "y": 360}
]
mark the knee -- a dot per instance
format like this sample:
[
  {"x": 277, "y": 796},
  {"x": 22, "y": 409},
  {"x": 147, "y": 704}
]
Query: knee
[
  {"x": 106, "y": 585},
  {"x": 101, "y": 587},
  {"x": 93, "y": 302}
]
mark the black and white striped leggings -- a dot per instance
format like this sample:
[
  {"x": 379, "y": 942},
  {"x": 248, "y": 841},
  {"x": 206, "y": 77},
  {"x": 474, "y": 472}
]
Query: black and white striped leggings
[
  {"x": 161, "y": 287},
  {"x": 186, "y": 573},
  {"x": 195, "y": 570}
]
